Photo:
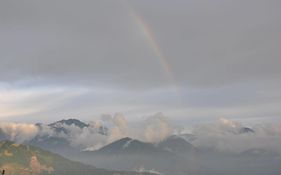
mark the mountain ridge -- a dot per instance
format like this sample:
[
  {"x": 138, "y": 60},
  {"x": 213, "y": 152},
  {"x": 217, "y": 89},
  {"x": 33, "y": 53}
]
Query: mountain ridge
[{"x": 29, "y": 160}]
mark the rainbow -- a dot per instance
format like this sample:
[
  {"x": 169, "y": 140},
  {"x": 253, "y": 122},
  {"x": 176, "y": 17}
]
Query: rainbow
[
  {"x": 152, "y": 42},
  {"x": 149, "y": 36}
]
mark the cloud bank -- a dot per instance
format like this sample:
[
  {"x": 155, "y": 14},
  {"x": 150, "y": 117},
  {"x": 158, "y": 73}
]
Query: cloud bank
[
  {"x": 99, "y": 133},
  {"x": 19, "y": 132},
  {"x": 224, "y": 135}
]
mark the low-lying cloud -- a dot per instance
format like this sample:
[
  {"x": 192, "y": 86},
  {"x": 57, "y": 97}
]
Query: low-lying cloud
[
  {"x": 19, "y": 132},
  {"x": 223, "y": 135},
  {"x": 97, "y": 134},
  {"x": 157, "y": 128}
]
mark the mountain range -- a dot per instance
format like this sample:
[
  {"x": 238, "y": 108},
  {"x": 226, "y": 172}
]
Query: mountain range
[
  {"x": 17, "y": 159},
  {"x": 60, "y": 142},
  {"x": 130, "y": 154},
  {"x": 177, "y": 154}
]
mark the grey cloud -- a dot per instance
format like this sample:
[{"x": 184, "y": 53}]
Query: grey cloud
[
  {"x": 91, "y": 42},
  {"x": 224, "y": 57},
  {"x": 98, "y": 42},
  {"x": 224, "y": 136}
]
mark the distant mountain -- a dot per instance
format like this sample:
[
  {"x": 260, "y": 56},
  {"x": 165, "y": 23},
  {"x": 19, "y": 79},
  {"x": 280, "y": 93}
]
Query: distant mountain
[
  {"x": 257, "y": 152},
  {"x": 176, "y": 144},
  {"x": 3, "y": 136},
  {"x": 188, "y": 137},
  {"x": 244, "y": 130},
  {"x": 130, "y": 154},
  {"x": 55, "y": 142},
  {"x": 18, "y": 159},
  {"x": 60, "y": 141},
  {"x": 59, "y": 125},
  {"x": 129, "y": 146}
]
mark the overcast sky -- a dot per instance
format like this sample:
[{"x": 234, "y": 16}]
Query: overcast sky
[{"x": 193, "y": 60}]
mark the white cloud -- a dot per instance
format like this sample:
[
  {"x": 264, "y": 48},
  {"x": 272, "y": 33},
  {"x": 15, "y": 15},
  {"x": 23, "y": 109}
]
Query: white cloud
[
  {"x": 19, "y": 132},
  {"x": 225, "y": 136}
]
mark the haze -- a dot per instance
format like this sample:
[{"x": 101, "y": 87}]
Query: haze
[{"x": 194, "y": 61}]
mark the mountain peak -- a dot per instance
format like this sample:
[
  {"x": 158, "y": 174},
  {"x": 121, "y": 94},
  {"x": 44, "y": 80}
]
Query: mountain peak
[
  {"x": 69, "y": 122},
  {"x": 129, "y": 146},
  {"x": 244, "y": 130},
  {"x": 176, "y": 144},
  {"x": 125, "y": 139}
]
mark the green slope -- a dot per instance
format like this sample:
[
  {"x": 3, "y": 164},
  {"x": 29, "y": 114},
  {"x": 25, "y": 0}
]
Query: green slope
[{"x": 19, "y": 159}]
